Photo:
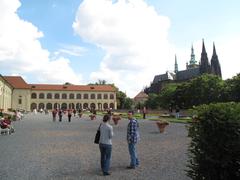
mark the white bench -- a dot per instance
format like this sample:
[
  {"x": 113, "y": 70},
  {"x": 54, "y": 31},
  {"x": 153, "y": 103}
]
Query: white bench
[{"x": 5, "y": 131}]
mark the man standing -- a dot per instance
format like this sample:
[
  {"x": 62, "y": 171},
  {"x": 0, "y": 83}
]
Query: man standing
[
  {"x": 144, "y": 112},
  {"x": 132, "y": 139}
]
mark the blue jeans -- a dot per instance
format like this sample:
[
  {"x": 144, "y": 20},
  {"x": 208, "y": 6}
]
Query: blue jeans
[
  {"x": 133, "y": 154},
  {"x": 106, "y": 151}
]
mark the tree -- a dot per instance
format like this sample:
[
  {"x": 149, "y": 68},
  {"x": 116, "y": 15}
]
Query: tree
[
  {"x": 128, "y": 103},
  {"x": 153, "y": 101},
  {"x": 101, "y": 82},
  {"x": 204, "y": 89},
  {"x": 166, "y": 96},
  {"x": 121, "y": 96},
  {"x": 233, "y": 88}
]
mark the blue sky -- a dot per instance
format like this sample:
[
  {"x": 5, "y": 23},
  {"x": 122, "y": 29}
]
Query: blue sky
[{"x": 123, "y": 42}]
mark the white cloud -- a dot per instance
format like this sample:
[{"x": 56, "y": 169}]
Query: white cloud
[
  {"x": 134, "y": 37},
  {"x": 21, "y": 51},
  {"x": 71, "y": 50}
]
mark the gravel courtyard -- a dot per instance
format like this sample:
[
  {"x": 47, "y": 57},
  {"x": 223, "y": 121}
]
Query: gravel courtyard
[{"x": 43, "y": 150}]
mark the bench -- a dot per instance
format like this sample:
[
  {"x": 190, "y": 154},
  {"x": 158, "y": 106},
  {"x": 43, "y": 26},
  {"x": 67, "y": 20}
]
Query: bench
[{"x": 4, "y": 131}]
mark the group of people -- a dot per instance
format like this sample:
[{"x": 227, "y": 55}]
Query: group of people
[
  {"x": 69, "y": 113},
  {"x": 6, "y": 124},
  {"x": 105, "y": 142}
]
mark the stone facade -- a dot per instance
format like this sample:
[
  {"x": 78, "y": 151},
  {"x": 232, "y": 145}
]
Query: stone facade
[
  {"x": 5, "y": 94},
  {"x": 72, "y": 99},
  {"x": 17, "y": 94}
]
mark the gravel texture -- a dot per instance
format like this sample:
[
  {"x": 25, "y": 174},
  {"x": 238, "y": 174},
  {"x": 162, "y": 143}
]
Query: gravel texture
[{"x": 44, "y": 150}]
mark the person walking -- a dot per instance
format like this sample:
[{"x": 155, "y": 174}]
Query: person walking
[
  {"x": 69, "y": 115},
  {"x": 177, "y": 115},
  {"x": 54, "y": 114},
  {"x": 132, "y": 139},
  {"x": 144, "y": 112},
  {"x": 105, "y": 144},
  {"x": 60, "y": 115}
]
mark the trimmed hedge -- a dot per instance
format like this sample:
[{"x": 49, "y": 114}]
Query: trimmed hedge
[{"x": 214, "y": 150}]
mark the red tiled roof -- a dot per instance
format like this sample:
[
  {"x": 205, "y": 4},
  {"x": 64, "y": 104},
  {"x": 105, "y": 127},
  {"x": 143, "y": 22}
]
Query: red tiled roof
[
  {"x": 57, "y": 87},
  {"x": 17, "y": 82},
  {"x": 141, "y": 95}
]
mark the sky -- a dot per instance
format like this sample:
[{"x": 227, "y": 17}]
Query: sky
[{"x": 125, "y": 42}]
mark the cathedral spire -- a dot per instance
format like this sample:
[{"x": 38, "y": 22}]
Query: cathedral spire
[
  {"x": 192, "y": 60},
  {"x": 175, "y": 65},
  {"x": 214, "y": 50},
  {"x": 204, "y": 63},
  {"x": 215, "y": 65}
]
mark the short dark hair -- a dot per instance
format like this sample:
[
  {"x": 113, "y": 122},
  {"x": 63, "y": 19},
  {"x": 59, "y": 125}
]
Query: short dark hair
[
  {"x": 106, "y": 117},
  {"x": 131, "y": 112}
]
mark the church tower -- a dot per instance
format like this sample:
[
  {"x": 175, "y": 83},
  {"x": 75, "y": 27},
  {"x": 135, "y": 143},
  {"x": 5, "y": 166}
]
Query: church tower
[
  {"x": 215, "y": 65},
  {"x": 192, "y": 62},
  {"x": 204, "y": 63},
  {"x": 175, "y": 65}
]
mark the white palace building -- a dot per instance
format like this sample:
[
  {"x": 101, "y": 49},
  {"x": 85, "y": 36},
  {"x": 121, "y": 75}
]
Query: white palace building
[{"x": 15, "y": 93}]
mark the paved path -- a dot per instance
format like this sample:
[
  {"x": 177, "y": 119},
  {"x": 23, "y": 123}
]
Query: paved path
[{"x": 44, "y": 150}]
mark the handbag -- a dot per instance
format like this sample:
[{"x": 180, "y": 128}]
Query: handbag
[{"x": 97, "y": 136}]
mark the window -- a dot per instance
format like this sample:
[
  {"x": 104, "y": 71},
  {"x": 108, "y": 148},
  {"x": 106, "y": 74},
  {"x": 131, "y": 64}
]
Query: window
[
  {"x": 56, "y": 96},
  {"x": 99, "y": 96},
  {"x": 64, "y": 96},
  {"x": 105, "y": 96},
  {"x": 41, "y": 96},
  {"x": 34, "y": 96},
  {"x": 112, "y": 105},
  {"x": 79, "y": 96},
  {"x": 105, "y": 105},
  {"x": 85, "y": 96},
  {"x": 85, "y": 105},
  {"x": 92, "y": 96},
  {"x": 49, "y": 96},
  {"x": 111, "y": 96},
  {"x": 71, "y": 96},
  {"x": 19, "y": 101},
  {"x": 49, "y": 106}
]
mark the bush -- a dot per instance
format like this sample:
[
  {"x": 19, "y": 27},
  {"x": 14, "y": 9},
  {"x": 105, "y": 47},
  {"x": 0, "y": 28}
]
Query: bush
[{"x": 214, "y": 151}]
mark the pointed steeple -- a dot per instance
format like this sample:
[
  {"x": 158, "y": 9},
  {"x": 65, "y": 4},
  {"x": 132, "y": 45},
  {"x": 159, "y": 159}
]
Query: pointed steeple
[
  {"x": 205, "y": 66},
  {"x": 215, "y": 65},
  {"x": 175, "y": 65},
  {"x": 192, "y": 60},
  {"x": 203, "y": 47},
  {"x": 214, "y": 49}
]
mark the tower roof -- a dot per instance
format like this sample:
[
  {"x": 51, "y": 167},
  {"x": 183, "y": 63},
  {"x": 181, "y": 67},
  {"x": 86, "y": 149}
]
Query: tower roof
[
  {"x": 192, "y": 60},
  {"x": 203, "y": 47},
  {"x": 204, "y": 64}
]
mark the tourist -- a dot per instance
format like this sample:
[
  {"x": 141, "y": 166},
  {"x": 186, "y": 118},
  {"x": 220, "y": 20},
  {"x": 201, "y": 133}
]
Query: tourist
[
  {"x": 80, "y": 113},
  {"x": 1, "y": 113},
  {"x": 105, "y": 144},
  {"x": 35, "y": 111},
  {"x": 69, "y": 115},
  {"x": 18, "y": 115},
  {"x": 177, "y": 112},
  {"x": 144, "y": 112},
  {"x": 54, "y": 114},
  {"x": 74, "y": 112},
  {"x": 60, "y": 115},
  {"x": 7, "y": 124},
  {"x": 132, "y": 139}
]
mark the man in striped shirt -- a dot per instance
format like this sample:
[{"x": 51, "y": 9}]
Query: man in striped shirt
[{"x": 132, "y": 139}]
